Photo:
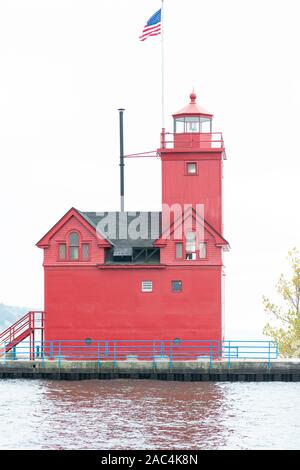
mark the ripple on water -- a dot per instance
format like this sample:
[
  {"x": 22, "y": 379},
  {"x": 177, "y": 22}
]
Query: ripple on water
[{"x": 122, "y": 414}]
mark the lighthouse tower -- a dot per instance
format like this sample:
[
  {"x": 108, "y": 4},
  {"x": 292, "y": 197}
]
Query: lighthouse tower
[{"x": 192, "y": 163}]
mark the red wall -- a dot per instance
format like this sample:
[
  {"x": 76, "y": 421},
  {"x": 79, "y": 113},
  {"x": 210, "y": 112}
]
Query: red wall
[
  {"x": 108, "y": 303},
  {"x": 203, "y": 188}
]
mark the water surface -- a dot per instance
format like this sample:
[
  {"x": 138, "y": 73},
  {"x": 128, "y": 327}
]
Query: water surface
[{"x": 129, "y": 414}]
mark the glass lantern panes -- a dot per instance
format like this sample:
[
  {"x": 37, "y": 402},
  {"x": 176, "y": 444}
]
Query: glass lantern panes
[
  {"x": 187, "y": 124},
  {"x": 206, "y": 126},
  {"x": 179, "y": 125},
  {"x": 192, "y": 124}
]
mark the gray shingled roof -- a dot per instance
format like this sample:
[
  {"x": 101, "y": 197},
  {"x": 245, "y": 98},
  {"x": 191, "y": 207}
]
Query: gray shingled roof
[{"x": 126, "y": 229}]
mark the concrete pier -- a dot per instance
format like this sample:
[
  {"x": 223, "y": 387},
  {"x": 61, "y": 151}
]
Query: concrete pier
[{"x": 219, "y": 371}]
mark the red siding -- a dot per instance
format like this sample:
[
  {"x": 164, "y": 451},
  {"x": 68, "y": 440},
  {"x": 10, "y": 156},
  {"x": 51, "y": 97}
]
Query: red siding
[
  {"x": 109, "y": 304},
  {"x": 203, "y": 188}
]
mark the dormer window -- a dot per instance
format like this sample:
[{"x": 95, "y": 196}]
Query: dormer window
[
  {"x": 62, "y": 251},
  {"x": 73, "y": 249},
  {"x": 190, "y": 246},
  {"x": 74, "y": 246},
  {"x": 191, "y": 250},
  {"x": 202, "y": 250},
  {"x": 179, "y": 250},
  {"x": 85, "y": 251}
]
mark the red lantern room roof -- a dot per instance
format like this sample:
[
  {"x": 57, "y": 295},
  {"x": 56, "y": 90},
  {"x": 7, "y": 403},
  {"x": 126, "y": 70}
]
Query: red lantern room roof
[{"x": 192, "y": 109}]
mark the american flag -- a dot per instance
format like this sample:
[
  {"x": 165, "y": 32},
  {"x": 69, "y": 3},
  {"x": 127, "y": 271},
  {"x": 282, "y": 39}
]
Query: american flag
[{"x": 152, "y": 27}]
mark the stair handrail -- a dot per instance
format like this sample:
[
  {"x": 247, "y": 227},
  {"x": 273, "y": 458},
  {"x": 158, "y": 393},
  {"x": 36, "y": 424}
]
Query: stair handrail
[
  {"x": 28, "y": 320},
  {"x": 8, "y": 330}
]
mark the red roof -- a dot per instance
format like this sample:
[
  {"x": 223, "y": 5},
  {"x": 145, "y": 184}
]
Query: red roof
[{"x": 193, "y": 109}]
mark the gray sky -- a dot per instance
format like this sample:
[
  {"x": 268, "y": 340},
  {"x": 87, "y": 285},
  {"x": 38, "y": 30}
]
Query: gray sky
[{"x": 67, "y": 65}]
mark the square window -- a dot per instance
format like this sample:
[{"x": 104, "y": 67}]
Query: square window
[
  {"x": 191, "y": 168},
  {"x": 85, "y": 251},
  {"x": 179, "y": 250},
  {"x": 147, "y": 286},
  {"x": 62, "y": 251},
  {"x": 176, "y": 286}
]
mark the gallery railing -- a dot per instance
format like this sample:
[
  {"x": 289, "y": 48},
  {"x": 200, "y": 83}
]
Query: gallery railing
[
  {"x": 204, "y": 141},
  {"x": 154, "y": 351}
]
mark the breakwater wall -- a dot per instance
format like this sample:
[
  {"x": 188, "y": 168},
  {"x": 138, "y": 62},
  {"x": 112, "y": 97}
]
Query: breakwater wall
[{"x": 218, "y": 371}]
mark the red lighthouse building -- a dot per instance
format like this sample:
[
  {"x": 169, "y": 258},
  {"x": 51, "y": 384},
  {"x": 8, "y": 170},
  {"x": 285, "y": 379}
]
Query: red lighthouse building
[{"x": 149, "y": 275}]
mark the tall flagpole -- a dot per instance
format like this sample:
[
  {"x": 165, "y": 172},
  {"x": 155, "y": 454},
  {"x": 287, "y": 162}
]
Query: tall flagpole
[{"x": 162, "y": 68}]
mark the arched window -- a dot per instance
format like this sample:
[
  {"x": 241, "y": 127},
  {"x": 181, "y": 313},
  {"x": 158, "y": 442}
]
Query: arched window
[
  {"x": 74, "y": 248},
  {"x": 74, "y": 245}
]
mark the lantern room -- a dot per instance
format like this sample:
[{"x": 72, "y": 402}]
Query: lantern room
[
  {"x": 192, "y": 130},
  {"x": 192, "y": 118}
]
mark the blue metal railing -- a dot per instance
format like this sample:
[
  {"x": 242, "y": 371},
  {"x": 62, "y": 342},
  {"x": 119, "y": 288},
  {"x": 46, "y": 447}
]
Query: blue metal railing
[
  {"x": 154, "y": 351},
  {"x": 253, "y": 350}
]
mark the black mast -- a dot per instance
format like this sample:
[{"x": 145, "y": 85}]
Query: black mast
[{"x": 122, "y": 164}]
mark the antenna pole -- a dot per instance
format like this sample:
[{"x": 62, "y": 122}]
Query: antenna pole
[
  {"x": 122, "y": 164},
  {"x": 162, "y": 68}
]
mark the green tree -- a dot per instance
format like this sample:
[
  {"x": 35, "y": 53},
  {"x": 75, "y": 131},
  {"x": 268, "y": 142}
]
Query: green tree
[{"x": 285, "y": 323}]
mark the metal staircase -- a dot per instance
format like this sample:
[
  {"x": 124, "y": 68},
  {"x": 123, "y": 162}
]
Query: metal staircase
[{"x": 25, "y": 327}]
